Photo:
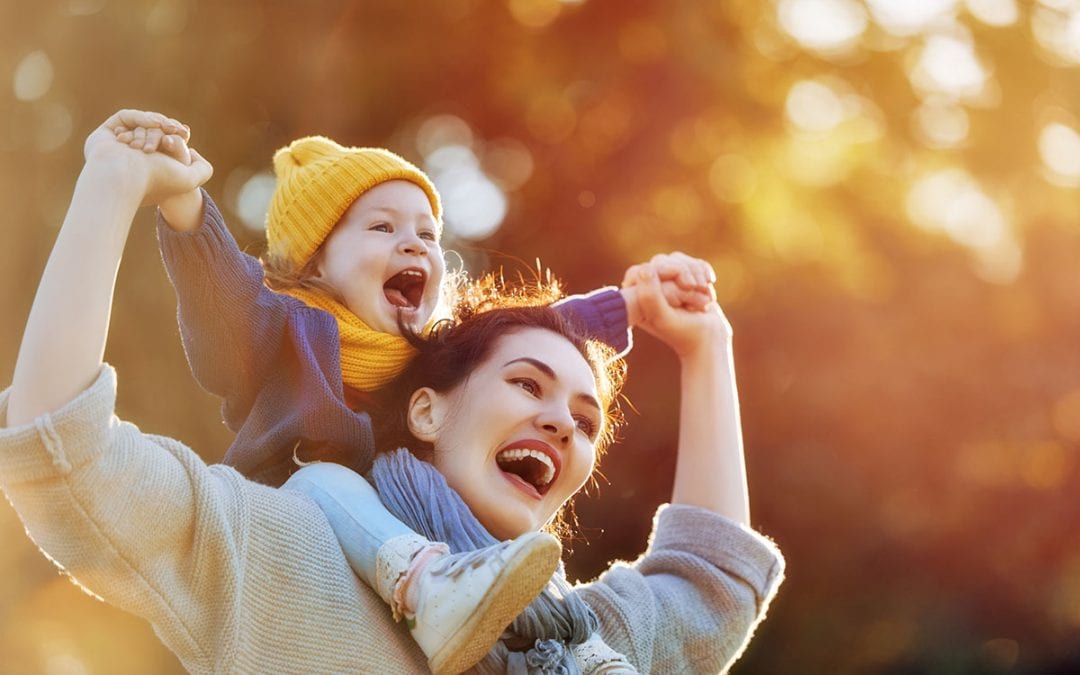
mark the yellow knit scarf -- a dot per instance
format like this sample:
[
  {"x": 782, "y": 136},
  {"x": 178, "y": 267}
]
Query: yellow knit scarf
[{"x": 369, "y": 358}]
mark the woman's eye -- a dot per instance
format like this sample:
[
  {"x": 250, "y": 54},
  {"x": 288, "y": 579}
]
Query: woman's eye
[
  {"x": 587, "y": 426},
  {"x": 380, "y": 227},
  {"x": 528, "y": 385}
]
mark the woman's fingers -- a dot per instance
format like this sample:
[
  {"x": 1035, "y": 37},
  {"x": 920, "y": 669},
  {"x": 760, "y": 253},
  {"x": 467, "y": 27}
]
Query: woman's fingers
[
  {"x": 687, "y": 271},
  {"x": 693, "y": 300}
]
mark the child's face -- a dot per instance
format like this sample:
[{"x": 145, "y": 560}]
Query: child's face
[{"x": 384, "y": 256}]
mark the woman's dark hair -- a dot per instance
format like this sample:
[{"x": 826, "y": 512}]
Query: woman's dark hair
[{"x": 486, "y": 311}]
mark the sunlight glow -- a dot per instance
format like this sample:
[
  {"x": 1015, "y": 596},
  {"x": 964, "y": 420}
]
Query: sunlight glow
[
  {"x": 1059, "y": 148},
  {"x": 941, "y": 126},
  {"x": 253, "y": 198},
  {"x": 1057, "y": 29},
  {"x": 994, "y": 12},
  {"x": 948, "y": 66},
  {"x": 441, "y": 130},
  {"x": 951, "y": 202},
  {"x": 814, "y": 107},
  {"x": 908, "y": 17},
  {"x": 33, "y": 76},
  {"x": 509, "y": 162},
  {"x": 474, "y": 206},
  {"x": 732, "y": 178},
  {"x": 823, "y": 25}
]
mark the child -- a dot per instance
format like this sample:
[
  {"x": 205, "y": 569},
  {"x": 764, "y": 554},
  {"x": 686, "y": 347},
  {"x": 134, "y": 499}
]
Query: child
[{"x": 295, "y": 346}]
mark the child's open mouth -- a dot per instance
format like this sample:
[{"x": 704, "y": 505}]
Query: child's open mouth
[{"x": 406, "y": 288}]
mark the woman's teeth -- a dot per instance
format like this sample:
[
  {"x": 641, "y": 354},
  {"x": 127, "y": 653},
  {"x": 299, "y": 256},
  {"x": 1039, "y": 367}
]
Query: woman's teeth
[{"x": 518, "y": 454}]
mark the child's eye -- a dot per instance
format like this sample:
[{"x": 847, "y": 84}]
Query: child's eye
[
  {"x": 586, "y": 425},
  {"x": 429, "y": 235},
  {"x": 528, "y": 384},
  {"x": 380, "y": 227}
]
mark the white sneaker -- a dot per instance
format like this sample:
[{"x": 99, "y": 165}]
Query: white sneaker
[{"x": 466, "y": 600}]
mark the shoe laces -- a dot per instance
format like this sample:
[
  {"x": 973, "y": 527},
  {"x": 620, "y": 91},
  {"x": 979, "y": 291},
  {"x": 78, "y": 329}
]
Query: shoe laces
[{"x": 454, "y": 564}]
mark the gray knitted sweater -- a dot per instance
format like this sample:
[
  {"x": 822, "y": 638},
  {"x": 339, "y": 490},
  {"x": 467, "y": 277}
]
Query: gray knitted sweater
[{"x": 240, "y": 577}]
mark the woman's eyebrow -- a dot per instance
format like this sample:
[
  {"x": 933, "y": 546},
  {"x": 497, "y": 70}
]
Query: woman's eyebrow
[
  {"x": 547, "y": 370},
  {"x": 535, "y": 363}
]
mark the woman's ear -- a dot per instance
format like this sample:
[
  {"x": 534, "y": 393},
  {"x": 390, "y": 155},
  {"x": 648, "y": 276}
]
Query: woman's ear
[{"x": 425, "y": 414}]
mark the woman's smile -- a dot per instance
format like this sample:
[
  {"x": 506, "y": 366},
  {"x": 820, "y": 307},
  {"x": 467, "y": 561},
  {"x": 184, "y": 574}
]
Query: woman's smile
[
  {"x": 531, "y": 465},
  {"x": 517, "y": 439}
]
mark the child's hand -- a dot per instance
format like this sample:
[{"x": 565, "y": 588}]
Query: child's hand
[
  {"x": 153, "y": 176},
  {"x": 686, "y": 283},
  {"x": 182, "y": 212},
  {"x": 171, "y": 139}
]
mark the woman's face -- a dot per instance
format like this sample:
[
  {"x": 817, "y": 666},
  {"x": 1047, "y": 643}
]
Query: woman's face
[{"x": 518, "y": 437}]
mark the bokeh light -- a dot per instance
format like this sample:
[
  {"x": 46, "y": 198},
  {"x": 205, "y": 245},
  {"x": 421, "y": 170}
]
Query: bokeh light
[
  {"x": 948, "y": 66},
  {"x": 253, "y": 195},
  {"x": 951, "y": 202},
  {"x": 823, "y": 25},
  {"x": 994, "y": 12},
  {"x": 33, "y": 76},
  {"x": 908, "y": 17},
  {"x": 1059, "y": 148},
  {"x": 473, "y": 205},
  {"x": 941, "y": 124}
]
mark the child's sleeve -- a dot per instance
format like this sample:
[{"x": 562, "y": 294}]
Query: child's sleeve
[
  {"x": 230, "y": 323},
  {"x": 600, "y": 315}
]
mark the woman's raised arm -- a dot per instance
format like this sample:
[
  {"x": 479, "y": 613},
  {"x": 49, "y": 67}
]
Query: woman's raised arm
[
  {"x": 710, "y": 470},
  {"x": 64, "y": 341}
]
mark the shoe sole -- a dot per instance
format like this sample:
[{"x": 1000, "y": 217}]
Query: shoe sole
[{"x": 524, "y": 576}]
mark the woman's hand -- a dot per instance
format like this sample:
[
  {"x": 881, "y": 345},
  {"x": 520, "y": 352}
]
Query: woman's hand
[
  {"x": 688, "y": 331},
  {"x": 138, "y": 167}
]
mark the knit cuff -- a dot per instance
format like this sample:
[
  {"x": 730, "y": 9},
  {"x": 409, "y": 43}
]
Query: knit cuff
[
  {"x": 209, "y": 248},
  {"x": 729, "y": 546},
  {"x": 56, "y": 443},
  {"x": 601, "y": 315}
]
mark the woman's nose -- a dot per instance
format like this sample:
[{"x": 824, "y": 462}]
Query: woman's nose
[{"x": 557, "y": 426}]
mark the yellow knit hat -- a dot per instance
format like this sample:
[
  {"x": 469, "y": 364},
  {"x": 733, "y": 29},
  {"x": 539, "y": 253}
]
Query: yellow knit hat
[{"x": 317, "y": 181}]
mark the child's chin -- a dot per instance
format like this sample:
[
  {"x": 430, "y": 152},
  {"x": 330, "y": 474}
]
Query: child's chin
[{"x": 410, "y": 318}]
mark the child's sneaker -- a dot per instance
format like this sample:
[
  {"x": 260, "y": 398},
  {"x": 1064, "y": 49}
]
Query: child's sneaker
[{"x": 463, "y": 602}]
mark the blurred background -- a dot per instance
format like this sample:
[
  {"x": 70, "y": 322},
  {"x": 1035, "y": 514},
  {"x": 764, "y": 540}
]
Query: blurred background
[{"x": 886, "y": 188}]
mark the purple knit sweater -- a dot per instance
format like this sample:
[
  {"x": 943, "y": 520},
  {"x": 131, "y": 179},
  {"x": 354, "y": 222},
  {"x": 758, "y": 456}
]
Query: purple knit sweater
[{"x": 275, "y": 361}]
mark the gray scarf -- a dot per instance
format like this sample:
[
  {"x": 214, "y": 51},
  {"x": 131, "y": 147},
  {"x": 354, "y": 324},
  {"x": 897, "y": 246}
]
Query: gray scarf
[{"x": 415, "y": 492}]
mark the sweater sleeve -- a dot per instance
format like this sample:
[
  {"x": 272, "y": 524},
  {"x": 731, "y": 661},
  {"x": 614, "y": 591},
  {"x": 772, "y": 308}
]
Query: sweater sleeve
[
  {"x": 229, "y": 321},
  {"x": 692, "y": 601},
  {"x": 137, "y": 520},
  {"x": 600, "y": 315}
]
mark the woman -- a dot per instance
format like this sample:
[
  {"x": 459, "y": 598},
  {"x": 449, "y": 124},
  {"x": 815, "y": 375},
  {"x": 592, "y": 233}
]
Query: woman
[{"x": 236, "y": 576}]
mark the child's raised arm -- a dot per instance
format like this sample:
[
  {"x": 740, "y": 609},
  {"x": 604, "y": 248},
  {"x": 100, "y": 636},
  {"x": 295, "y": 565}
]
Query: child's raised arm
[{"x": 64, "y": 341}]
